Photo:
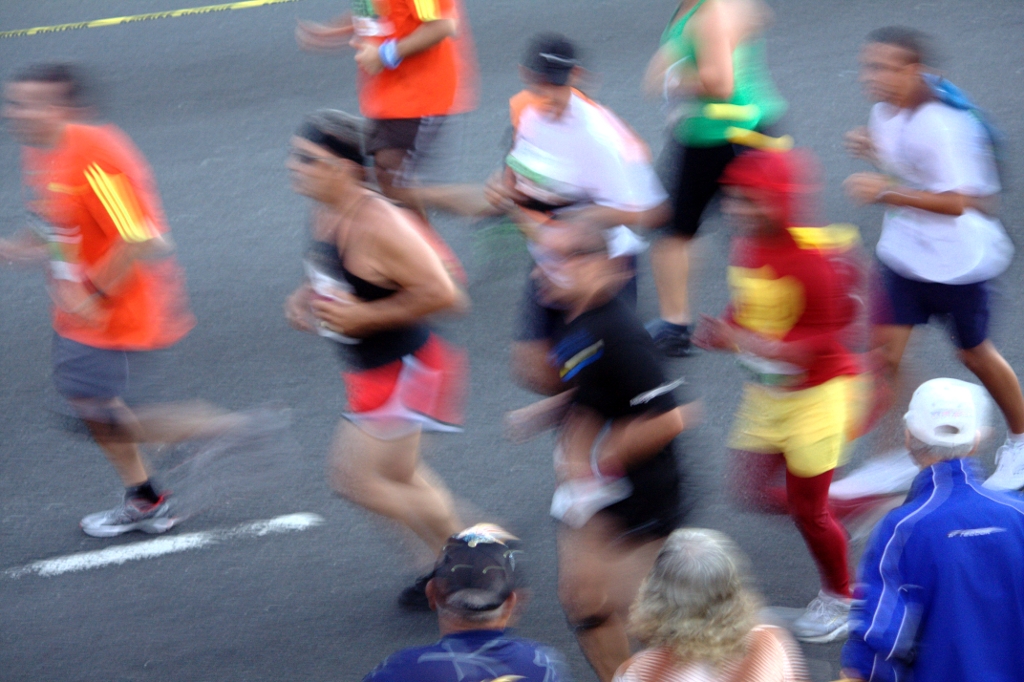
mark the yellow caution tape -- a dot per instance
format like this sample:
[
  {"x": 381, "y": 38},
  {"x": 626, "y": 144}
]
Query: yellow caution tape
[{"x": 114, "y": 21}]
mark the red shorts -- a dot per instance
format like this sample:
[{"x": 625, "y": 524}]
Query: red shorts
[{"x": 425, "y": 389}]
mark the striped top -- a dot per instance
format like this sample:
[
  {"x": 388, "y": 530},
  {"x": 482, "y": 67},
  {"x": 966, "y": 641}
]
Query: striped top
[{"x": 771, "y": 656}]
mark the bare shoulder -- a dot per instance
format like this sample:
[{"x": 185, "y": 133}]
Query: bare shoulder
[{"x": 740, "y": 19}]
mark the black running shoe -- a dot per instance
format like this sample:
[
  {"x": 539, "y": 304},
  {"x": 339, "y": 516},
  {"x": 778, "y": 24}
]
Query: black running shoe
[
  {"x": 673, "y": 340},
  {"x": 414, "y": 597}
]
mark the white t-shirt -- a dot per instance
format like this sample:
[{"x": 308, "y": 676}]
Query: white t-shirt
[
  {"x": 586, "y": 156},
  {"x": 936, "y": 148}
]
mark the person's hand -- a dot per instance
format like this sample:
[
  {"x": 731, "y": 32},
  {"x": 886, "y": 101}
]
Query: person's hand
[
  {"x": 859, "y": 144},
  {"x": 13, "y": 252},
  {"x": 849, "y": 675},
  {"x": 523, "y": 424},
  {"x": 341, "y": 314},
  {"x": 576, "y": 440},
  {"x": 499, "y": 193},
  {"x": 74, "y": 299},
  {"x": 323, "y": 37},
  {"x": 714, "y": 334},
  {"x": 866, "y": 188},
  {"x": 367, "y": 56},
  {"x": 296, "y": 309}
]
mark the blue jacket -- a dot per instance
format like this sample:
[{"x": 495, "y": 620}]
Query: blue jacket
[
  {"x": 941, "y": 595},
  {"x": 473, "y": 656}
]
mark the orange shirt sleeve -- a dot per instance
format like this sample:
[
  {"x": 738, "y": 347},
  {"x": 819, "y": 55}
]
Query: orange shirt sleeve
[{"x": 118, "y": 204}]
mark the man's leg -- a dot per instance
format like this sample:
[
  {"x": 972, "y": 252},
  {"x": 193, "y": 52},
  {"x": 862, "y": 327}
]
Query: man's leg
[
  {"x": 752, "y": 482},
  {"x": 889, "y": 342},
  {"x": 387, "y": 477},
  {"x": 825, "y": 538},
  {"x": 696, "y": 184},
  {"x": 597, "y": 583},
  {"x": 996, "y": 375},
  {"x": 387, "y": 165},
  {"x": 113, "y": 435},
  {"x": 670, "y": 265}
]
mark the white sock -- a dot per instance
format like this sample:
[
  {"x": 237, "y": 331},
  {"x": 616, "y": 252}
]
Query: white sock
[{"x": 1015, "y": 438}]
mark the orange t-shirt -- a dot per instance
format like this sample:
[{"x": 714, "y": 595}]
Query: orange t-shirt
[
  {"x": 94, "y": 190},
  {"x": 435, "y": 82}
]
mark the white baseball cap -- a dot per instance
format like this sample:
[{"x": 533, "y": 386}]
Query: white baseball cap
[{"x": 943, "y": 412}]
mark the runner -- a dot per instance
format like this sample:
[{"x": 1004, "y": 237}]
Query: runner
[
  {"x": 711, "y": 55},
  {"x": 940, "y": 243},
  {"x": 572, "y": 161},
  {"x": 118, "y": 295},
  {"x": 372, "y": 279},
  {"x": 416, "y": 66},
  {"x": 790, "y": 305},
  {"x": 619, "y": 486}
]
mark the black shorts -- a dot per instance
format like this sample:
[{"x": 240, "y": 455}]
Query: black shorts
[
  {"x": 695, "y": 182},
  {"x": 655, "y": 508},
  {"x": 911, "y": 302},
  {"x": 414, "y": 136},
  {"x": 691, "y": 174},
  {"x": 85, "y": 372}
]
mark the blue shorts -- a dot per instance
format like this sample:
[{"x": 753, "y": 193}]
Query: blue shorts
[
  {"x": 82, "y": 372},
  {"x": 909, "y": 302}
]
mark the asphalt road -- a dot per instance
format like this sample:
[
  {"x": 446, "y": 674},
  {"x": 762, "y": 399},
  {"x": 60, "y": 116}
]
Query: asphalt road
[{"x": 211, "y": 101}]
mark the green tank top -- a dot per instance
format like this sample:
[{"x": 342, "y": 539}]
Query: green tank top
[{"x": 755, "y": 102}]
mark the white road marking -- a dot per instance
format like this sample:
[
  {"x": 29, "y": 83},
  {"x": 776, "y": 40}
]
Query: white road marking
[{"x": 165, "y": 545}]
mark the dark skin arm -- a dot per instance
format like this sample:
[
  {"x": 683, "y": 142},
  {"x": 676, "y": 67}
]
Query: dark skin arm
[{"x": 876, "y": 188}]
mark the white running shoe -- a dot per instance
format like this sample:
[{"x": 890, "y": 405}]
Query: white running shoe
[
  {"x": 1009, "y": 473},
  {"x": 825, "y": 620},
  {"x": 132, "y": 514},
  {"x": 886, "y": 474}
]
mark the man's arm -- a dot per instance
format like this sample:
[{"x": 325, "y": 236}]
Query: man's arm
[
  {"x": 333, "y": 35},
  {"x": 400, "y": 254},
  {"x": 633, "y": 440},
  {"x": 425, "y": 36},
  {"x": 714, "y": 49},
  {"x": 25, "y": 248},
  {"x": 876, "y": 188},
  {"x": 883, "y": 623}
]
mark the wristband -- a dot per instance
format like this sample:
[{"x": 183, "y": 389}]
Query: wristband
[
  {"x": 91, "y": 287},
  {"x": 388, "y": 52}
]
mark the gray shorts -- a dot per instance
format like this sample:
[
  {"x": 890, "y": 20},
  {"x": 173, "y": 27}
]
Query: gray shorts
[{"x": 86, "y": 372}]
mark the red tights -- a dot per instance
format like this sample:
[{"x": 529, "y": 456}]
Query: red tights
[{"x": 806, "y": 500}]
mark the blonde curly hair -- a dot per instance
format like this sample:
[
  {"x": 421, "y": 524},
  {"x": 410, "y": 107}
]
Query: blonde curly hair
[{"x": 696, "y": 601}]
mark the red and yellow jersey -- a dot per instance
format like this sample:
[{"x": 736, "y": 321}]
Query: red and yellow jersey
[
  {"x": 95, "y": 191},
  {"x": 435, "y": 82},
  {"x": 798, "y": 289}
]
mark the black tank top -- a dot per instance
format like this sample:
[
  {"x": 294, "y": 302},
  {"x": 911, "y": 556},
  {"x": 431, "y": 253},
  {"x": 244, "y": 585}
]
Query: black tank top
[{"x": 380, "y": 348}]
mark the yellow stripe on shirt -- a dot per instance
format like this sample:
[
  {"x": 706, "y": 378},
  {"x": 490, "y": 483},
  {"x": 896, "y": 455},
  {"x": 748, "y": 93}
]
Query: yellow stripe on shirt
[
  {"x": 119, "y": 201},
  {"x": 427, "y": 10}
]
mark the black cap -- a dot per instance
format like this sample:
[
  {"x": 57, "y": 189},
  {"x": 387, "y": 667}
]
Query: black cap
[
  {"x": 551, "y": 57},
  {"x": 477, "y": 569}
]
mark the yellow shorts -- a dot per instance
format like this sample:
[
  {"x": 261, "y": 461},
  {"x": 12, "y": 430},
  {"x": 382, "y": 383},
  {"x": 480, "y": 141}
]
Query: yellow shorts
[{"x": 810, "y": 427}]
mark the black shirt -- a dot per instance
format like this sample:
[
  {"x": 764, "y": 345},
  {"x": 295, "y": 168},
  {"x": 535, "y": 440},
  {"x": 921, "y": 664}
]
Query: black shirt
[{"x": 611, "y": 360}]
